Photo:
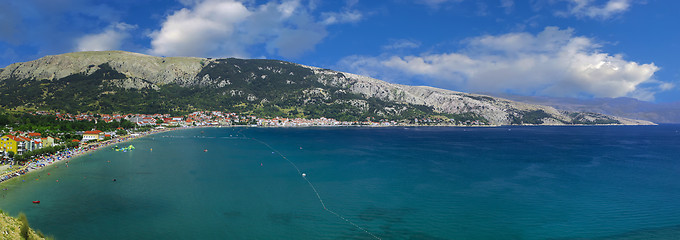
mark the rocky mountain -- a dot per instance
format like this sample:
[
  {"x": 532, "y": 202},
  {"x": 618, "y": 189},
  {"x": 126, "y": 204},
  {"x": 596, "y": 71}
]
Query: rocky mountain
[
  {"x": 116, "y": 81},
  {"x": 665, "y": 112}
]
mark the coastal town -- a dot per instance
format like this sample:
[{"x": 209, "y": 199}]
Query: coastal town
[{"x": 218, "y": 118}]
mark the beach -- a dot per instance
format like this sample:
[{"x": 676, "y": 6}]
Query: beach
[{"x": 68, "y": 154}]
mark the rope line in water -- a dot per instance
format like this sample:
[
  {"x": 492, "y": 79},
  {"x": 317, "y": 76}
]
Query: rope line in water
[
  {"x": 312, "y": 186},
  {"x": 336, "y": 214}
]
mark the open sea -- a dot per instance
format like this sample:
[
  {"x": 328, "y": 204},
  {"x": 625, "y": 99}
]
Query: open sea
[{"x": 604, "y": 182}]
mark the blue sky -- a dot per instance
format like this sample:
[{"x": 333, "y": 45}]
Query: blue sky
[{"x": 560, "y": 48}]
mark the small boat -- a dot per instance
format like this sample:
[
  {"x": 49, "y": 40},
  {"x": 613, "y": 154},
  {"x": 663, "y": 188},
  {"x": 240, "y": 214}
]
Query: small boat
[{"x": 36, "y": 202}]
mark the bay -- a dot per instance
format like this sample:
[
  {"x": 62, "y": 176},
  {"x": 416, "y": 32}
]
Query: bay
[{"x": 604, "y": 182}]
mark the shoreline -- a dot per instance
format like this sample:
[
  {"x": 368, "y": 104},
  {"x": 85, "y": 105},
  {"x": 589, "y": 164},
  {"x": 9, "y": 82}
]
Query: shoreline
[
  {"x": 443, "y": 125},
  {"x": 40, "y": 163}
]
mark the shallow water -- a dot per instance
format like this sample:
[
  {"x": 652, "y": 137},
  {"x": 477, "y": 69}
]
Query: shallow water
[{"x": 395, "y": 183}]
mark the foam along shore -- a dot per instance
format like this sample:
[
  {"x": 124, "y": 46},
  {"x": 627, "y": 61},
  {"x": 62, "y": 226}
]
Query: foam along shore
[{"x": 70, "y": 153}]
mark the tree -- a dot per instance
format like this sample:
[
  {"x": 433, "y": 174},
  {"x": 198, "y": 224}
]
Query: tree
[
  {"x": 19, "y": 158},
  {"x": 24, "y": 226},
  {"x": 121, "y": 132}
]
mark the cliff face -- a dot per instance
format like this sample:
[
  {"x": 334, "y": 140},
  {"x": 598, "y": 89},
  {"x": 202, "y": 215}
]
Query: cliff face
[
  {"x": 497, "y": 110},
  {"x": 292, "y": 85}
]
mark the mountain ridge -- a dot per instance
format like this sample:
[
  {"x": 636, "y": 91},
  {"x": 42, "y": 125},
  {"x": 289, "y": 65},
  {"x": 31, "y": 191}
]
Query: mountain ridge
[
  {"x": 665, "y": 112},
  {"x": 114, "y": 79}
]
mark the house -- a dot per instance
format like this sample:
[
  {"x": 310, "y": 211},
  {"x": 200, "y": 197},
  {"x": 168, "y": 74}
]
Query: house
[
  {"x": 37, "y": 143},
  {"x": 47, "y": 141},
  {"x": 16, "y": 144},
  {"x": 29, "y": 144},
  {"x": 93, "y": 135},
  {"x": 8, "y": 144},
  {"x": 143, "y": 121}
]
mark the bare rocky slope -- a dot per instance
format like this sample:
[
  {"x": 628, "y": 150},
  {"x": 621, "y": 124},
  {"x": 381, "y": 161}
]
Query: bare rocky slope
[{"x": 134, "y": 71}]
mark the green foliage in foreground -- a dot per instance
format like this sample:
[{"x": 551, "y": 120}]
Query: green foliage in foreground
[
  {"x": 24, "y": 226},
  {"x": 18, "y": 228}
]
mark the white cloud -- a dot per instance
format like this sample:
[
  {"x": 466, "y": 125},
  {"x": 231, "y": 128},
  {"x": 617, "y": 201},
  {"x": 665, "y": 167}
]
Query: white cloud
[
  {"x": 401, "y": 44},
  {"x": 666, "y": 86},
  {"x": 436, "y": 3},
  {"x": 553, "y": 62},
  {"x": 597, "y": 9},
  {"x": 586, "y": 8},
  {"x": 348, "y": 16},
  {"x": 508, "y": 5},
  {"x": 110, "y": 39},
  {"x": 203, "y": 29},
  {"x": 220, "y": 28}
]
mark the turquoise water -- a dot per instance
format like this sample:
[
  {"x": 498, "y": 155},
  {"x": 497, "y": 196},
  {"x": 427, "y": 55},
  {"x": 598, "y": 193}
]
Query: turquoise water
[{"x": 394, "y": 183}]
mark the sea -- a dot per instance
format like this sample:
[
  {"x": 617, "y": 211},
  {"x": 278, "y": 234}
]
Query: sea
[{"x": 575, "y": 182}]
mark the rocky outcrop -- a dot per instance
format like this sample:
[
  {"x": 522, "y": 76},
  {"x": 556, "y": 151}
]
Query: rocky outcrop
[{"x": 156, "y": 70}]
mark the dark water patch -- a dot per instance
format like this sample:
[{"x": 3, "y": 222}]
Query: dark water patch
[
  {"x": 281, "y": 218},
  {"x": 659, "y": 233},
  {"x": 391, "y": 215},
  {"x": 290, "y": 218},
  {"x": 422, "y": 236},
  {"x": 115, "y": 203},
  {"x": 232, "y": 214},
  {"x": 388, "y": 232}
]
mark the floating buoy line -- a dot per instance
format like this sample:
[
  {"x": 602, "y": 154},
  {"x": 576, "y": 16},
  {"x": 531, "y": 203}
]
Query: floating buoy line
[{"x": 304, "y": 176}]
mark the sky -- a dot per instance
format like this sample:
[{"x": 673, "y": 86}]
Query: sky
[{"x": 556, "y": 48}]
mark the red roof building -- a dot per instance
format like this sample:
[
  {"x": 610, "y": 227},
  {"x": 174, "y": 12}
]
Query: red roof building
[
  {"x": 93, "y": 135},
  {"x": 34, "y": 135}
]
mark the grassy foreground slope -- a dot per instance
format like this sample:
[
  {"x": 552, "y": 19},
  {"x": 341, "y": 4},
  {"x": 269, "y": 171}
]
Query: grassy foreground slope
[{"x": 17, "y": 228}]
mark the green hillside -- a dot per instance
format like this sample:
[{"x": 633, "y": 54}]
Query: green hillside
[{"x": 261, "y": 87}]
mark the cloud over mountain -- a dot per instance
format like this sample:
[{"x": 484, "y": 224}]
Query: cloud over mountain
[
  {"x": 553, "y": 62},
  {"x": 229, "y": 28},
  {"x": 110, "y": 39}
]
